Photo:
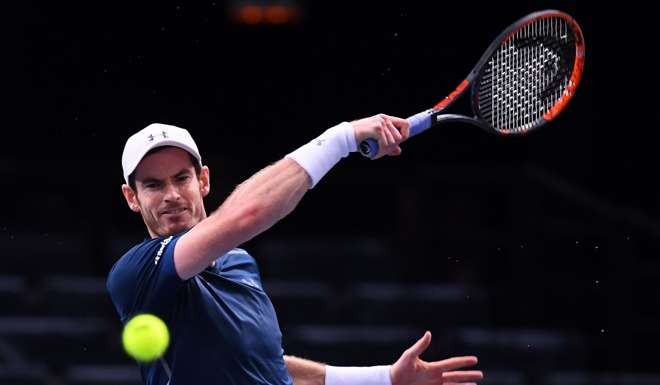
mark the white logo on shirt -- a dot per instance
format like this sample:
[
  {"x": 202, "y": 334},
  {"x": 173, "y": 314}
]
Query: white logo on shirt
[{"x": 163, "y": 243}]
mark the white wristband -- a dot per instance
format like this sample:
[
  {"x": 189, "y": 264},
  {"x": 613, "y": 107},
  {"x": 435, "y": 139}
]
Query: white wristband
[
  {"x": 350, "y": 375},
  {"x": 321, "y": 154}
]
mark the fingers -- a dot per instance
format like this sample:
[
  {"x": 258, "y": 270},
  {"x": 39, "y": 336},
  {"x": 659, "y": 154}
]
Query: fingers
[
  {"x": 420, "y": 346},
  {"x": 454, "y": 363},
  {"x": 388, "y": 138},
  {"x": 462, "y": 376},
  {"x": 402, "y": 125},
  {"x": 389, "y": 131},
  {"x": 391, "y": 135},
  {"x": 399, "y": 128},
  {"x": 394, "y": 131}
]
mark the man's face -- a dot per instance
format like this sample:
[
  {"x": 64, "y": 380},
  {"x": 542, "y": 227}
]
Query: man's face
[{"x": 169, "y": 194}]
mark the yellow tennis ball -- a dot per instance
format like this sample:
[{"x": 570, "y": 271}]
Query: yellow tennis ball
[{"x": 145, "y": 337}]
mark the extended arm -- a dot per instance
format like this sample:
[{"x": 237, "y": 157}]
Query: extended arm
[
  {"x": 409, "y": 369},
  {"x": 272, "y": 193},
  {"x": 254, "y": 206}
]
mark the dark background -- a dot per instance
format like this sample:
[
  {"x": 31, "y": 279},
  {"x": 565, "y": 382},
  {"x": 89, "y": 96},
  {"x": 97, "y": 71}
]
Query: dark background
[{"x": 537, "y": 254}]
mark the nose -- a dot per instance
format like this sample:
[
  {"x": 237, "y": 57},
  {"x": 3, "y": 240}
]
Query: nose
[{"x": 171, "y": 193}]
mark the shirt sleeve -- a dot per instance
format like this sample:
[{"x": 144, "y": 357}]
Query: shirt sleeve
[{"x": 145, "y": 280}]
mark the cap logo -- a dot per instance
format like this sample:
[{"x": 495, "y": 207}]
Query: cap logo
[{"x": 163, "y": 134}]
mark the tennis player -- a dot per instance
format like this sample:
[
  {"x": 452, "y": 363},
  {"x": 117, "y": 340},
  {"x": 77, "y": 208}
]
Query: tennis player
[{"x": 189, "y": 272}]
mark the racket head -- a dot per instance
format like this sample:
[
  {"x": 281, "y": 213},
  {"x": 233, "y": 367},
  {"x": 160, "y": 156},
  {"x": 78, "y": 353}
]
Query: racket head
[{"x": 529, "y": 73}]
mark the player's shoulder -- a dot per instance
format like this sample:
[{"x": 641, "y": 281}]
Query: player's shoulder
[
  {"x": 239, "y": 255},
  {"x": 133, "y": 261},
  {"x": 235, "y": 257},
  {"x": 238, "y": 252},
  {"x": 238, "y": 265}
]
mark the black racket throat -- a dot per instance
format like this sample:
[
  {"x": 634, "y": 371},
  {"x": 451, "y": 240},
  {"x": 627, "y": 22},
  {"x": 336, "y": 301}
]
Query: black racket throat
[
  {"x": 439, "y": 118},
  {"x": 459, "y": 104}
]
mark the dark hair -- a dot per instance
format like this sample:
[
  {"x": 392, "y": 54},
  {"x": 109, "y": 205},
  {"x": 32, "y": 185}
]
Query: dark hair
[{"x": 193, "y": 160}]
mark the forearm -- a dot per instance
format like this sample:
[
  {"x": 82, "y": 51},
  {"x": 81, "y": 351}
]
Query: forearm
[
  {"x": 305, "y": 372},
  {"x": 274, "y": 192},
  {"x": 266, "y": 197},
  {"x": 254, "y": 206}
]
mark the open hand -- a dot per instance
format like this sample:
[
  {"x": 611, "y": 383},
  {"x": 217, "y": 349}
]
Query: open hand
[{"x": 411, "y": 370}]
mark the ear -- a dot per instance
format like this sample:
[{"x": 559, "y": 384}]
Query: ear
[
  {"x": 131, "y": 197},
  {"x": 204, "y": 181}
]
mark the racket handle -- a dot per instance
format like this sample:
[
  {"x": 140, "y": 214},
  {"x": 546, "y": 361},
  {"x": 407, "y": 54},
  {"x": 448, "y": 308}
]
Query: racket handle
[
  {"x": 418, "y": 124},
  {"x": 369, "y": 148}
]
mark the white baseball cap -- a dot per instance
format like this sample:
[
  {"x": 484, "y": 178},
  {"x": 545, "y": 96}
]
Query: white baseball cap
[{"x": 152, "y": 136}]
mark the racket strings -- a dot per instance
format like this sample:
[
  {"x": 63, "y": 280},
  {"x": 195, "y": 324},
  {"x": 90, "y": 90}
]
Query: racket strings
[{"x": 527, "y": 75}]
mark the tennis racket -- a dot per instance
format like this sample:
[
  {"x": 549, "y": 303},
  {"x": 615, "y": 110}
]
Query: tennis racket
[{"x": 524, "y": 80}]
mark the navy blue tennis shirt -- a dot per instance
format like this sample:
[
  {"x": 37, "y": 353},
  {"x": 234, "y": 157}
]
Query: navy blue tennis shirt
[{"x": 222, "y": 324}]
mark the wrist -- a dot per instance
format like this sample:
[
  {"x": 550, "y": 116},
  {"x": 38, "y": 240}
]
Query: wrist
[
  {"x": 321, "y": 154},
  {"x": 369, "y": 375}
]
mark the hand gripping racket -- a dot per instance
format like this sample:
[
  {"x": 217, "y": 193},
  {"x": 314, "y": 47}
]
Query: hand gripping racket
[{"x": 524, "y": 79}]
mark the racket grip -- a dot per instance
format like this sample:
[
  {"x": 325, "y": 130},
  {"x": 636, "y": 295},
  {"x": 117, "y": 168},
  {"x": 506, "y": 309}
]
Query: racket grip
[
  {"x": 369, "y": 148},
  {"x": 418, "y": 123}
]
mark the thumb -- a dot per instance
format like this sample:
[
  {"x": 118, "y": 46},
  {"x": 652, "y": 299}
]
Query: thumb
[{"x": 420, "y": 346}]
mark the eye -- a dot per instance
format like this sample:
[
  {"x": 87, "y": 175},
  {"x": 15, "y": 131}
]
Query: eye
[
  {"x": 182, "y": 178},
  {"x": 151, "y": 185}
]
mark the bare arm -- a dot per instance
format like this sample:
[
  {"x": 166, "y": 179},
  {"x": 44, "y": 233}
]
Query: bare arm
[
  {"x": 255, "y": 205},
  {"x": 305, "y": 372},
  {"x": 409, "y": 369},
  {"x": 265, "y": 198}
]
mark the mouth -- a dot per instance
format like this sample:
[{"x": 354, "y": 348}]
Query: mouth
[{"x": 174, "y": 211}]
